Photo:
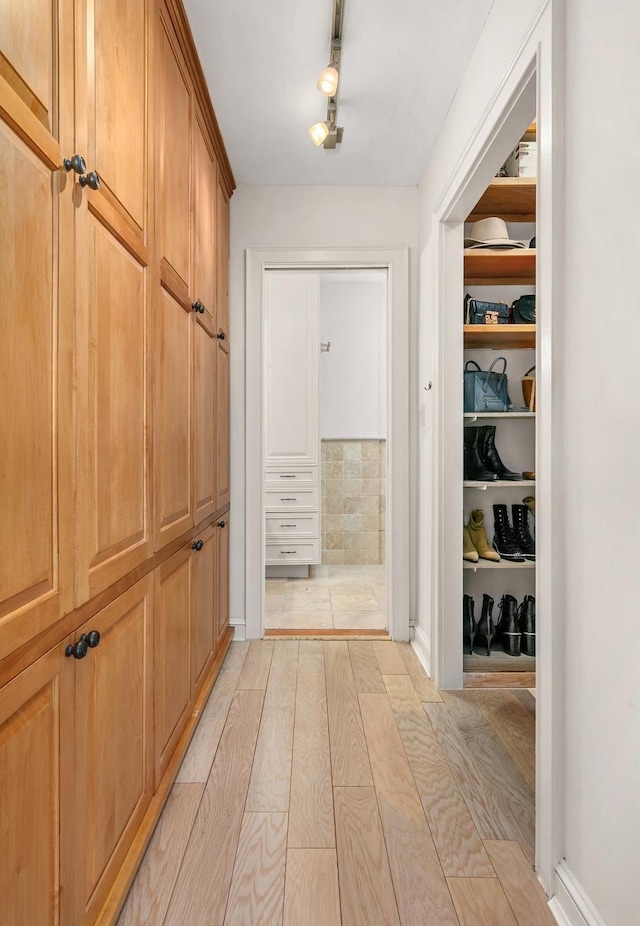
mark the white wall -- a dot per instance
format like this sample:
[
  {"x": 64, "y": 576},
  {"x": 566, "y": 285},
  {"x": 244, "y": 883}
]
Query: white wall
[
  {"x": 601, "y": 407},
  {"x": 291, "y": 217},
  {"x": 353, "y": 374}
]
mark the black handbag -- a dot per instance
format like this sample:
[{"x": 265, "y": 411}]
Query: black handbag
[
  {"x": 486, "y": 391},
  {"x": 477, "y": 312},
  {"x": 523, "y": 310}
]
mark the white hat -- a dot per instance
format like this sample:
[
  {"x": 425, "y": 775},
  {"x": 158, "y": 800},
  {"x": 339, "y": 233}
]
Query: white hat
[{"x": 490, "y": 233}]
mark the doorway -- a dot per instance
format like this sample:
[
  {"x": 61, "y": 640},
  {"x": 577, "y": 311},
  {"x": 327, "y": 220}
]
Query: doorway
[{"x": 387, "y": 591}]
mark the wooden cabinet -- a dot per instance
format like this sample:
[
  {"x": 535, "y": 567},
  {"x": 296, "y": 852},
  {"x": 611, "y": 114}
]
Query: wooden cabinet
[
  {"x": 114, "y": 742},
  {"x": 36, "y": 800},
  {"x": 36, "y": 283},
  {"x": 222, "y": 224},
  {"x": 222, "y": 578},
  {"x": 113, "y": 296},
  {"x": 204, "y": 638}
]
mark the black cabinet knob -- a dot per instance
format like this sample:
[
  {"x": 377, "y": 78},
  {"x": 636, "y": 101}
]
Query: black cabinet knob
[
  {"x": 197, "y": 306},
  {"x": 92, "y": 180},
  {"x": 222, "y": 523},
  {"x": 78, "y": 650},
  {"x": 77, "y": 164},
  {"x": 221, "y": 335},
  {"x": 93, "y": 639},
  {"x": 197, "y": 545}
]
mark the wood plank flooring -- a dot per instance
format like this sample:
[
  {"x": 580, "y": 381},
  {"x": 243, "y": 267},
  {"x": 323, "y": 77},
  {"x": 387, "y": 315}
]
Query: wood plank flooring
[{"x": 331, "y": 784}]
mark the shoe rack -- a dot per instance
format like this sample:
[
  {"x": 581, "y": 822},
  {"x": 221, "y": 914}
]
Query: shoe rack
[{"x": 502, "y": 276}]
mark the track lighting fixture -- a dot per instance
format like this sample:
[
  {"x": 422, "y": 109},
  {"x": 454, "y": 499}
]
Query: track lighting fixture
[{"x": 327, "y": 133}]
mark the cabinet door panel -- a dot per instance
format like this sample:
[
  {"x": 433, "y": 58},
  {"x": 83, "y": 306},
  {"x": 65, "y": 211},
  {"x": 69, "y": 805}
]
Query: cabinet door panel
[
  {"x": 36, "y": 814},
  {"x": 222, "y": 228},
  {"x": 223, "y": 411},
  {"x": 174, "y": 165},
  {"x": 172, "y": 660},
  {"x": 114, "y": 748},
  {"x": 204, "y": 423},
  {"x": 204, "y": 564},
  {"x": 204, "y": 253},
  {"x": 36, "y": 283},
  {"x": 174, "y": 333},
  {"x": 222, "y": 580},
  {"x": 292, "y": 368}
]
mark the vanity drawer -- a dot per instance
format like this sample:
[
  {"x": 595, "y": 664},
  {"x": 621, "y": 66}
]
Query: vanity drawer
[
  {"x": 285, "y": 498},
  {"x": 293, "y": 551},
  {"x": 283, "y": 477},
  {"x": 302, "y": 526}
]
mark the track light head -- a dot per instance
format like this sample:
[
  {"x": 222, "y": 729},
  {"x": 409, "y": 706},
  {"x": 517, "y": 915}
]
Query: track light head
[
  {"x": 328, "y": 81},
  {"x": 318, "y": 132}
]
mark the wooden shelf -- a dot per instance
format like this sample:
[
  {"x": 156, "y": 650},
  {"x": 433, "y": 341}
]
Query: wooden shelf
[
  {"x": 499, "y": 337},
  {"x": 473, "y": 416},
  {"x": 484, "y": 267},
  {"x": 511, "y": 198},
  {"x": 500, "y": 483},
  {"x": 483, "y": 564}
]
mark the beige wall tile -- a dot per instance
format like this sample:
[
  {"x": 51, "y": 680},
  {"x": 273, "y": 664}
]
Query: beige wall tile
[
  {"x": 371, "y": 469},
  {"x": 383, "y": 466},
  {"x": 371, "y": 487},
  {"x": 368, "y": 505},
  {"x": 332, "y": 540},
  {"x": 352, "y": 522},
  {"x": 352, "y": 450},
  {"x": 332, "y": 450},
  {"x": 371, "y": 522},
  {"x": 365, "y": 540},
  {"x": 383, "y": 504},
  {"x": 352, "y": 469},
  {"x": 333, "y": 487},
  {"x": 333, "y": 557},
  {"x": 333, "y": 522},
  {"x": 333, "y": 469},
  {"x": 371, "y": 450},
  {"x": 334, "y": 504},
  {"x": 352, "y": 487}
]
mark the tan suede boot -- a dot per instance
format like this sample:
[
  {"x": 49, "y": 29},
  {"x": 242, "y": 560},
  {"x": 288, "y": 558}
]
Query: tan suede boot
[
  {"x": 530, "y": 502},
  {"x": 478, "y": 536},
  {"x": 469, "y": 552}
]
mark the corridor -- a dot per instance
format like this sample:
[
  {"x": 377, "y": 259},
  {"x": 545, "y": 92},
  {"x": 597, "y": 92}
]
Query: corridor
[{"x": 331, "y": 783}]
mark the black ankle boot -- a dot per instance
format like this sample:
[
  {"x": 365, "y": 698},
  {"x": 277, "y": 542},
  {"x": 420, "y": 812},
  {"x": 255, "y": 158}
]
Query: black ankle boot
[
  {"x": 485, "y": 628},
  {"x": 504, "y": 541},
  {"x": 521, "y": 530},
  {"x": 474, "y": 468},
  {"x": 490, "y": 456},
  {"x": 468, "y": 624},
  {"x": 527, "y": 625},
  {"x": 508, "y": 625}
]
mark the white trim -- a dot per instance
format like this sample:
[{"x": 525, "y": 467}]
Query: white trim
[
  {"x": 571, "y": 906},
  {"x": 239, "y": 631},
  {"x": 396, "y": 262},
  {"x": 422, "y": 647},
  {"x": 536, "y": 71}
]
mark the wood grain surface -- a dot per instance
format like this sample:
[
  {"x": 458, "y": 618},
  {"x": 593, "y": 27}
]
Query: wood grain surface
[
  {"x": 257, "y": 886},
  {"x": 349, "y": 759},
  {"x": 481, "y": 902},
  {"x": 255, "y": 670},
  {"x": 520, "y": 884},
  {"x": 366, "y": 670},
  {"x": 312, "y": 895}
]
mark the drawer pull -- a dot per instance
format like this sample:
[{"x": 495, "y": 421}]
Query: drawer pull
[
  {"x": 288, "y": 525},
  {"x": 288, "y": 499},
  {"x": 283, "y": 476},
  {"x": 288, "y": 551}
]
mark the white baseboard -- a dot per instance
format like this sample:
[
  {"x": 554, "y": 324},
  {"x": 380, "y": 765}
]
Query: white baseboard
[
  {"x": 570, "y": 905},
  {"x": 240, "y": 631},
  {"x": 422, "y": 646}
]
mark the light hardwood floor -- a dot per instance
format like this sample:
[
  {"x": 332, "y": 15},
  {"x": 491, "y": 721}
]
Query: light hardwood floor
[{"x": 331, "y": 784}]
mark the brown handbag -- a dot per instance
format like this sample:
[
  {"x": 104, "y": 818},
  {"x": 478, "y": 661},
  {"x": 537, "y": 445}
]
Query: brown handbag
[{"x": 529, "y": 389}]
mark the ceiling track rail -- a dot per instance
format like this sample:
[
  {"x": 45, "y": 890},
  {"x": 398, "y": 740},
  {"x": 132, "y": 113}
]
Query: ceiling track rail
[{"x": 337, "y": 19}]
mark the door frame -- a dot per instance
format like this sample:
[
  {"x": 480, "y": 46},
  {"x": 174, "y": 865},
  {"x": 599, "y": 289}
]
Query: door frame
[
  {"x": 533, "y": 84},
  {"x": 396, "y": 262}
]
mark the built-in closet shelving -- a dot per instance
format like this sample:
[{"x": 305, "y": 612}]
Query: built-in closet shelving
[{"x": 514, "y": 200}]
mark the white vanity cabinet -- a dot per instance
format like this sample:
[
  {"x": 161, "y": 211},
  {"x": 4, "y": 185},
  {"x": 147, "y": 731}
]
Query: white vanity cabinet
[{"x": 292, "y": 425}]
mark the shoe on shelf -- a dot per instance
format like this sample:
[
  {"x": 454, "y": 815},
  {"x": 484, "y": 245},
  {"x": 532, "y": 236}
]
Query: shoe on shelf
[
  {"x": 529, "y": 474},
  {"x": 504, "y": 540},
  {"x": 475, "y": 469},
  {"x": 521, "y": 530},
  {"x": 510, "y": 633},
  {"x": 469, "y": 552},
  {"x": 527, "y": 625},
  {"x": 478, "y": 536},
  {"x": 490, "y": 456},
  {"x": 485, "y": 629},
  {"x": 530, "y": 502},
  {"x": 468, "y": 624}
]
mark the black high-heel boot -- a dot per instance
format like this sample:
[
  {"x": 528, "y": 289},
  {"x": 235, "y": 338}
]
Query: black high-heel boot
[
  {"x": 485, "y": 628},
  {"x": 508, "y": 625},
  {"x": 474, "y": 467},
  {"x": 468, "y": 624},
  {"x": 490, "y": 456},
  {"x": 527, "y": 625},
  {"x": 521, "y": 531}
]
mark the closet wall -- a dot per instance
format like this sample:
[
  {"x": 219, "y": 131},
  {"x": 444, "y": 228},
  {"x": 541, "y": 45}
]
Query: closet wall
[{"x": 114, "y": 423}]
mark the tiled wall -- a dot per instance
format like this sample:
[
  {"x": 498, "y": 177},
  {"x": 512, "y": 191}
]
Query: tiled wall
[{"x": 354, "y": 478}]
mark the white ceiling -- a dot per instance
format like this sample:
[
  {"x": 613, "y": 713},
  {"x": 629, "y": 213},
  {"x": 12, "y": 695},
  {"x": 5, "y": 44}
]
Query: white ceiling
[{"x": 402, "y": 61}]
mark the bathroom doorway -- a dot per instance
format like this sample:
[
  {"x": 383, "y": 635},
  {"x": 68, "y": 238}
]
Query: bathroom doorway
[
  {"x": 351, "y": 491},
  {"x": 325, "y": 386}
]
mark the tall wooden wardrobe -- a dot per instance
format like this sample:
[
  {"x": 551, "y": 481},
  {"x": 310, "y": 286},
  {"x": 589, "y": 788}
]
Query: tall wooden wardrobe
[{"x": 114, "y": 439}]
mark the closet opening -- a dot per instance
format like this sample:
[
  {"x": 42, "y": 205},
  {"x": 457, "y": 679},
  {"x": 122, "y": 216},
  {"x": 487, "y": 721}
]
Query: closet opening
[
  {"x": 325, "y": 451},
  {"x": 327, "y": 408}
]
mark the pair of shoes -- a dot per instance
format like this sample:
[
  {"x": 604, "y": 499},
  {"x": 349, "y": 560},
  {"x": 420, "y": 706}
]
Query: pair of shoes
[
  {"x": 473, "y": 634},
  {"x": 482, "y": 461},
  {"x": 475, "y": 545},
  {"x": 517, "y": 626},
  {"x": 514, "y": 544}
]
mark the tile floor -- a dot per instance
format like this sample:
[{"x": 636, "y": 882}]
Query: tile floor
[{"x": 333, "y": 597}]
